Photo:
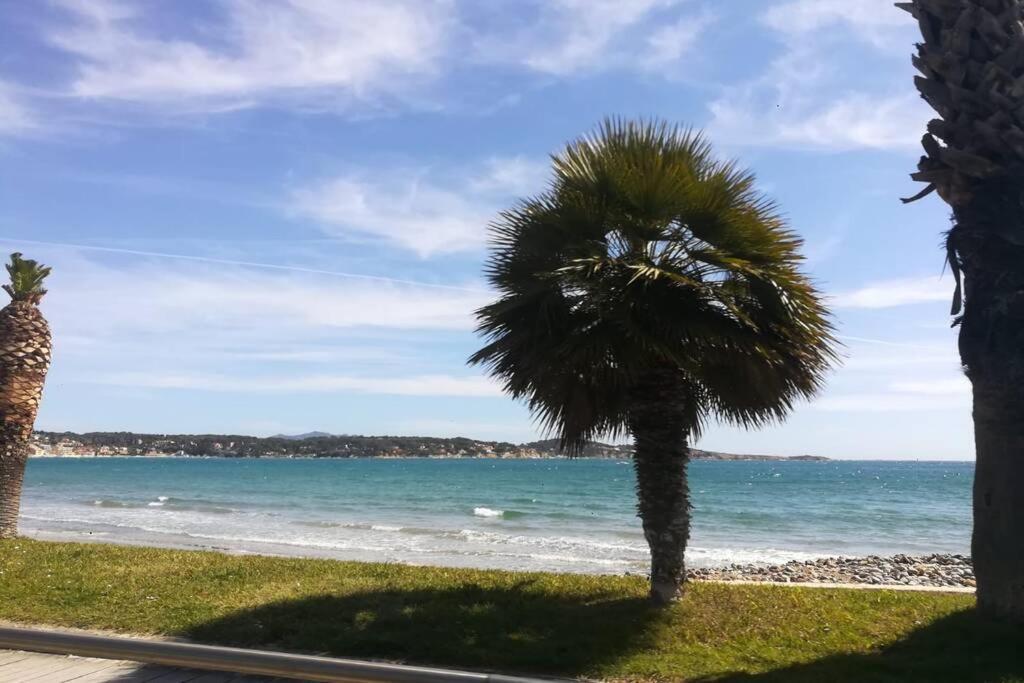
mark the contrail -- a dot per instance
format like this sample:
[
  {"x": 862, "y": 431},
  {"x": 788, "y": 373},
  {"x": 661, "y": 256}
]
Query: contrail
[
  {"x": 247, "y": 264},
  {"x": 882, "y": 342}
]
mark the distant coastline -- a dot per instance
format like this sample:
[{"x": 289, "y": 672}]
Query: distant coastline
[{"x": 323, "y": 445}]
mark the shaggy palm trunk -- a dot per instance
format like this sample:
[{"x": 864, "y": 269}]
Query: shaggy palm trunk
[
  {"x": 660, "y": 427},
  {"x": 992, "y": 352},
  {"x": 13, "y": 455},
  {"x": 997, "y": 544},
  {"x": 24, "y": 361},
  {"x": 971, "y": 61}
]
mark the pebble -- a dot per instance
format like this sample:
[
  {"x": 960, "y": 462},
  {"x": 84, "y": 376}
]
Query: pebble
[{"x": 902, "y": 570}]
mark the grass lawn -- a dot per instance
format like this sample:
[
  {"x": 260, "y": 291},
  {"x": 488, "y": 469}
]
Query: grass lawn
[{"x": 555, "y": 624}]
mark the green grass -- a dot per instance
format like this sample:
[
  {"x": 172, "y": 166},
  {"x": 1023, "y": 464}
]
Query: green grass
[{"x": 566, "y": 625}]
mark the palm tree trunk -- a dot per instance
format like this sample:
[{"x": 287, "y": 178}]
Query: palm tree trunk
[
  {"x": 660, "y": 427},
  {"x": 997, "y": 544},
  {"x": 991, "y": 346},
  {"x": 13, "y": 455}
]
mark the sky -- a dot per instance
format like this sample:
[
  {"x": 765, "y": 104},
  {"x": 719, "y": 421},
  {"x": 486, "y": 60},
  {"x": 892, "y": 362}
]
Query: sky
[{"x": 271, "y": 216}]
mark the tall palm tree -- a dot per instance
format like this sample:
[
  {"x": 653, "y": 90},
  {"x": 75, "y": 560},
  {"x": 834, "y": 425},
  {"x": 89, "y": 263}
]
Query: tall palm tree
[
  {"x": 650, "y": 288},
  {"x": 24, "y": 360},
  {"x": 972, "y": 73}
]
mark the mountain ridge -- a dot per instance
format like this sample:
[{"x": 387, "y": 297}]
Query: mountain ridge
[{"x": 324, "y": 445}]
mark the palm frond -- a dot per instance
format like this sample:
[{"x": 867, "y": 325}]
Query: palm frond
[{"x": 26, "y": 278}]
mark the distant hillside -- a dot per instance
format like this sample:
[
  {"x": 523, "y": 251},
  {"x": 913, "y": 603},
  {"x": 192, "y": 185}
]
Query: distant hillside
[
  {"x": 300, "y": 437},
  {"x": 596, "y": 449},
  {"x": 324, "y": 445}
]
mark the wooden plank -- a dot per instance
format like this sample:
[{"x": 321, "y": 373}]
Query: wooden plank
[
  {"x": 178, "y": 676},
  {"x": 120, "y": 672},
  {"x": 34, "y": 666},
  {"x": 165, "y": 674},
  {"x": 83, "y": 667},
  {"x": 11, "y": 656},
  {"x": 214, "y": 677}
]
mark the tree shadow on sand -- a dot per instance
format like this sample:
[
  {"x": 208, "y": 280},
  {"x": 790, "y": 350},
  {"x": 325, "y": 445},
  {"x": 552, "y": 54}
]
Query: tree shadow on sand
[
  {"x": 509, "y": 629},
  {"x": 962, "y": 647}
]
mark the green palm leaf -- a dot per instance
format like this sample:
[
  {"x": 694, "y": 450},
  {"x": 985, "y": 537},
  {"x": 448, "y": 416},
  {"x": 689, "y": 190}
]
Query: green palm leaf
[{"x": 648, "y": 251}]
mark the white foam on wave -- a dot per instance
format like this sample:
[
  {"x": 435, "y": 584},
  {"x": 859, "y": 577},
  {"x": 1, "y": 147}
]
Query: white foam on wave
[
  {"x": 716, "y": 557},
  {"x": 487, "y": 512}
]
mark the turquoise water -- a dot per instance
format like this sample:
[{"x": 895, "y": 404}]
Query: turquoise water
[{"x": 560, "y": 515}]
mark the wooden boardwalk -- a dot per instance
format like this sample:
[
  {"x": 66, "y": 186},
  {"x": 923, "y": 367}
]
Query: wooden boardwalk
[{"x": 32, "y": 667}]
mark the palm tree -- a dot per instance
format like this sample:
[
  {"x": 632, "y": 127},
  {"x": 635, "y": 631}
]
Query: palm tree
[
  {"x": 972, "y": 70},
  {"x": 24, "y": 360},
  {"x": 650, "y": 288}
]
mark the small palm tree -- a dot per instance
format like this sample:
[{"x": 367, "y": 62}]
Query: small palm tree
[
  {"x": 24, "y": 360},
  {"x": 650, "y": 288}
]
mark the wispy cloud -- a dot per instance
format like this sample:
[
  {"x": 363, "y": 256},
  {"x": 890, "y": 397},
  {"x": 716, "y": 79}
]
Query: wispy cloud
[
  {"x": 889, "y": 402},
  {"x": 808, "y": 99},
  {"x": 418, "y": 385},
  {"x": 855, "y": 121},
  {"x": 288, "y": 268},
  {"x": 958, "y": 386},
  {"x": 328, "y": 52},
  {"x": 241, "y": 303},
  {"x": 16, "y": 117},
  {"x": 892, "y": 293},
  {"x": 872, "y": 20},
  {"x": 142, "y": 313},
  {"x": 942, "y": 388},
  {"x": 568, "y": 37},
  {"x": 427, "y": 211}
]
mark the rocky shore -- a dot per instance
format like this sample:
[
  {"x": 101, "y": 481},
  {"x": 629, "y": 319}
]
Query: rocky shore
[{"x": 898, "y": 570}]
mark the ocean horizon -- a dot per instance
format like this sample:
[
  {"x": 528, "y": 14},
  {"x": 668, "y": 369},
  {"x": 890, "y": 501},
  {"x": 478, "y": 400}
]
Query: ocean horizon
[{"x": 550, "y": 514}]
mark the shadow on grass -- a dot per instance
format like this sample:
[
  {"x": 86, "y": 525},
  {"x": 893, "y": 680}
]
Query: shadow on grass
[
  {"x": 963, "y": 647},
  {"x": 512, "y": 629}
]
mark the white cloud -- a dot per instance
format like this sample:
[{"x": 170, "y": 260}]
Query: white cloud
[
  {"x": 958, "y": 386},
  {"x": 814, "y": 94},
  {"x": 949, "y": 392},
  {"x": 233, "y": 304},
  {"x": 855, "y": 121},
  {"x": 427, "y": 211},
  {"x": 870, "y": 19},
  {"x": 172, "y": 324},
  {"x": 418, "y": 385},
  {"x": 15, "y": 116},
  {"x": 515, "y": 176},
  {"x": 897, "y": 292},
  {"x": 860, "y": 121},
  {"x": 580, "y": 36},
  {"x": 149, "y": 314},
  {"x": 889, "y": 403},
  {"x": 326, "y": 50},
  {"x": 667, "y": 44}
]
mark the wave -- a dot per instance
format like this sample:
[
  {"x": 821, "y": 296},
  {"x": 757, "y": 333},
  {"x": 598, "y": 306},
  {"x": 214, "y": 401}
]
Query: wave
[
  {"x": 324, "y": 524},
  {"x": 482, "y": 511},
  {"x": 385, "y": 542},
  {"x": 113, "y": 504},
  {"x": 166, "y": 503}
]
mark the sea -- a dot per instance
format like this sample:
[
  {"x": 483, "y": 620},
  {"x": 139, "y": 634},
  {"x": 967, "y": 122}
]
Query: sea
[{"x": 552, "y": 515}]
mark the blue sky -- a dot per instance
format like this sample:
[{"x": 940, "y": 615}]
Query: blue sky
[{"x": 271, "y": 216}]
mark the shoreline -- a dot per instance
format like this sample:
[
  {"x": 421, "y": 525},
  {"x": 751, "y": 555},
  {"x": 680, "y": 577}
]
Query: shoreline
[
  {"x": 931, "y": 572},
  {"x": 908, "y": 571},
  {"x": 626, "y": 459}
]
